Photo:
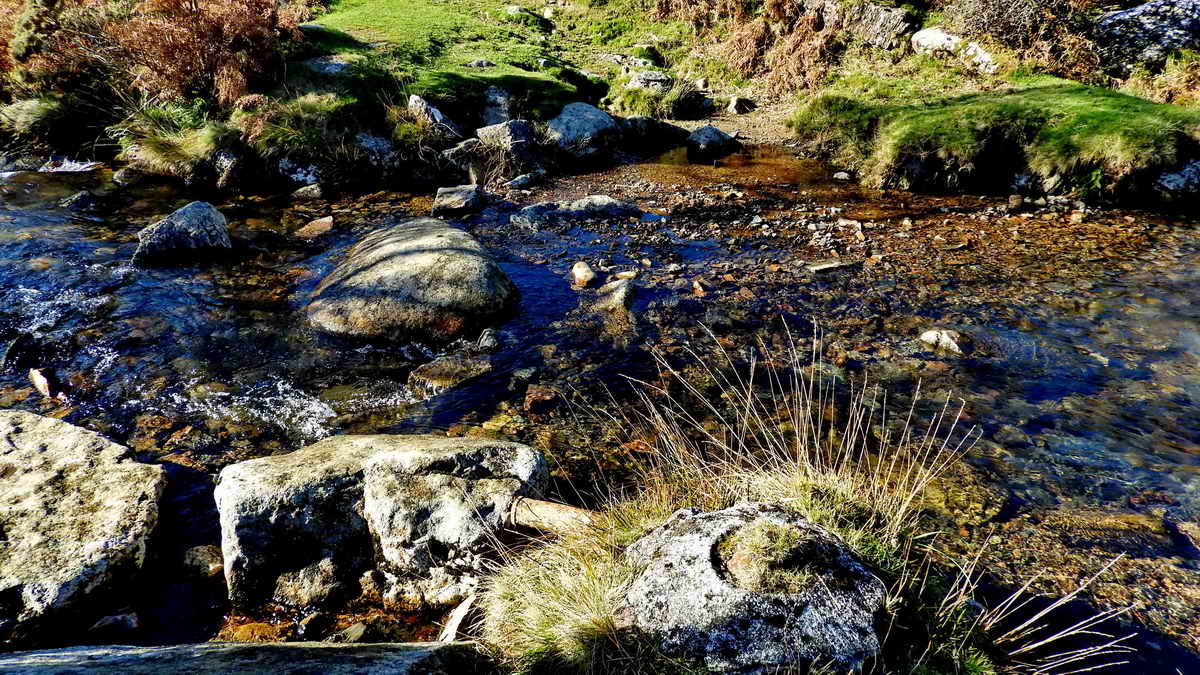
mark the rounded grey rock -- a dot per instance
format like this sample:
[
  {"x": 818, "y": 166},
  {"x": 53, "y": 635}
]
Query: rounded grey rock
[{"x": 688, "y": 600}]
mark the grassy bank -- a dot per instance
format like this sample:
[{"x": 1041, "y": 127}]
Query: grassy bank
[{"x": 923, "y": 124}]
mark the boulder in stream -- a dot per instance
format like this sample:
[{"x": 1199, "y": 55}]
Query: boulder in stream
[
  {"x": 76, "y": 513},
  {"x": 753, "y": 588},
  {"x": 420, "y": 278},
  {"x": 411, "y": 518},
  {"x": 709, "y": 143},
  {"x": 199, "y": 226},
  {"x": 585, "y": 131}
]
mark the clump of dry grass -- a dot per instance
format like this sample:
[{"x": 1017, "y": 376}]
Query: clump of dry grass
[{"x": 773, "y": 429}]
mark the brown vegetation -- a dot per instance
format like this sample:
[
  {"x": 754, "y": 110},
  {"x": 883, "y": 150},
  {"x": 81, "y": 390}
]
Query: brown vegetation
[{"x": 159, "y": 48}]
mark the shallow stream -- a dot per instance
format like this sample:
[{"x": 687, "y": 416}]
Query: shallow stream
[{"x": 1085, "y": 386}]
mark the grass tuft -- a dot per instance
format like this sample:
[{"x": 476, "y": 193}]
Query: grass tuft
[{"x": 771, "y": 429}]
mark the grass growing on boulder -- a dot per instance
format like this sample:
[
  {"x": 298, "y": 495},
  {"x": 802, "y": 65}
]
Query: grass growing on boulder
[
  {"x": 899, "y": 132},
  {"x": 763, "y": 431}
]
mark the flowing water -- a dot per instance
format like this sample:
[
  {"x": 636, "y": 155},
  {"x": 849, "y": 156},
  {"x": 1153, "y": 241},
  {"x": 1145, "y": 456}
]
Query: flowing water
[{"x": 1085, "y": 387}]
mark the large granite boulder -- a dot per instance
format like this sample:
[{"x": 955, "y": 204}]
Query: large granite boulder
[
  {"x": 753, "y": 588},
  {"x": 709, "y": 143},
  {"x": 876, "y": 25},
  {"x": 194, "y": 228},
  {"x": 1147, "y": 34},
  {"x": 514, "y": 144},
  {"x": 418, "y": 279},
  {"x": 76, "y": 512},
  {"x": 222, "y": 658},
  {"x": 585, "y": 131},
  {"x": 411, "y": 518}
]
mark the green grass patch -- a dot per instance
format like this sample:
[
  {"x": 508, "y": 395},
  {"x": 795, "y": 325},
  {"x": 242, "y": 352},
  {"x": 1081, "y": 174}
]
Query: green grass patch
[{"x": 921, "y": 127}]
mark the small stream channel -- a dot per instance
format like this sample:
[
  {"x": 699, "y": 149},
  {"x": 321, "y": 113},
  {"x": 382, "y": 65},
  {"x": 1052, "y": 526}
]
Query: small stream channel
[{"x": 1086, "y": 391}]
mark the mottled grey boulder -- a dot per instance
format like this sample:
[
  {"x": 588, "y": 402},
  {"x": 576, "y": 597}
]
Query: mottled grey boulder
[
  {"x": 1147, "y": 34},
  {"x": 707, "y": 601},
  {"x": 459, "y": 200},
  {"x": 75, "y": 515},
  {"x": 585, "y": 131},
  {"x": 708, "y": 143},
  {"x": 196, "y": 227},
  {"x": 545, "y": 214},
  {"x": 654, "y": 80},
  {"x": 1181, "y": 184},
  {"x": 433, "y": 118},
  {"x": 420, "y": 278},
  {"x": 516, "y": 141},
  {"x": 222, "y": 658},
  {"x": 416, "y": 514},
  {"x": 876, "y": 25}
]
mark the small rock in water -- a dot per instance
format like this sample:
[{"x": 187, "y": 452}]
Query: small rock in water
[
  {"x": 446, "y": 372},
  {"x": 81, "y": 201},
  {"x": 950, "y": 341},
  {"x": 205, "y": 562},
  {"x": 199, "y": 226},
  {"x": 316, "y": 625},
  {"x": 1016, "y": 203},
  {"x": 459, "y": 200},
  {"x": 616, "y": 296},
  {"x": 582, "y": 274},
  {"x": 116, "y": 627},
  {"x": 842, "y": 176},
  {"x": 47, "y": 384},
  {"x": 316, "y": 228},
  {"x": 308, "y": 193},
  {"x": 128, "y": 176},
  {"x": 827, "y": 266},
  {"x": 489, "y": 341}
]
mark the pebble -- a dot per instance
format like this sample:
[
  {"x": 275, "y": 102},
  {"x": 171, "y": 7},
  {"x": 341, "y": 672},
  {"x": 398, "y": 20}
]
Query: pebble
[{"x": 582, "y": 274}]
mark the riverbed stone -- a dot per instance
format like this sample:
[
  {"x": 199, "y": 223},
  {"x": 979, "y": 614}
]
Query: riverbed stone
[
  {"x": 816, "y": 604},
  {"x": 585, "y": 131},
  {"x": 949, "y": 341},
  {"x": 76, "y": 514},
  {"x": 197, "y": 227},
  {"x": 416, "y": 514},
  {"x": 445, "y": 373},
  {"x": 708, "y": 143},
  {"x": 1181, "y": 184},
  {"x": 459, "y": 200},
  {"x": 220, "y": 658},
  {"x": 420, "y": 278}
]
